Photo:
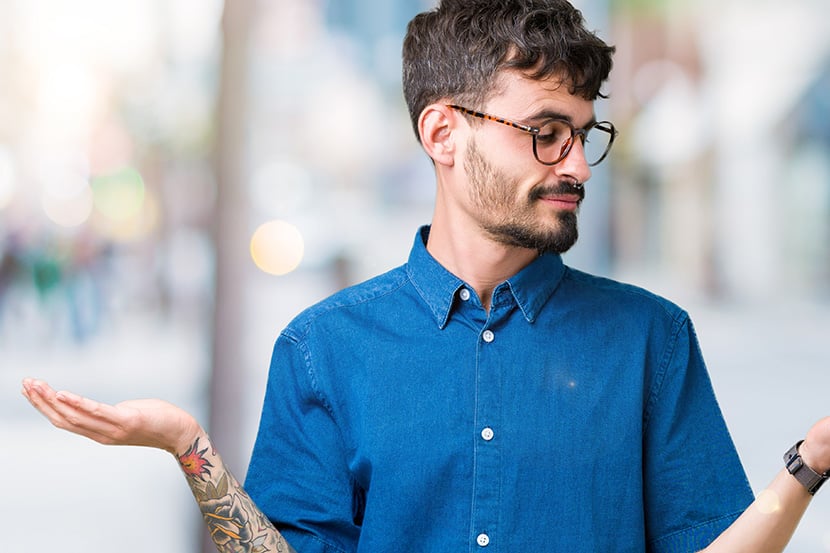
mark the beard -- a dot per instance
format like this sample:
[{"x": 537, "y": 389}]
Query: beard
[{"x": 515, "y": 223}]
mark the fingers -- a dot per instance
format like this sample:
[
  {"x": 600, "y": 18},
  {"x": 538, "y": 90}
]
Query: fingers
[
  {"x": 71, "y": 412},
  {"x": 151, "y": 423},
  {"x": 41, "y": 396}
]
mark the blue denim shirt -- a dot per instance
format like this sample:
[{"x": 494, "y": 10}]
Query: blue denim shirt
[{"x": 576, "y": 416}]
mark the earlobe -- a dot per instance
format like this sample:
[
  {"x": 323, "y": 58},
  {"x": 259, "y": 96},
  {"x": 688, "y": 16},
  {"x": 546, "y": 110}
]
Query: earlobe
[{"x": 436, "y": 126}]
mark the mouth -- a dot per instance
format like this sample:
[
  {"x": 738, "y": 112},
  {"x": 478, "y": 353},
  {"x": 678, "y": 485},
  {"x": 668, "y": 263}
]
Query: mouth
[
  {"x": 562, "y": 202},
  {"x": 561, "y": 196}
]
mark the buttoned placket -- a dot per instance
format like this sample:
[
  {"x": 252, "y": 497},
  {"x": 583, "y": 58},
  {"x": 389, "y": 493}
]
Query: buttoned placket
[{"x": 487, "y": 456}]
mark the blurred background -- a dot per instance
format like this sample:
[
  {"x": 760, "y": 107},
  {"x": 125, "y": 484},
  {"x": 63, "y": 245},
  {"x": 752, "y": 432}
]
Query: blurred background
[{"x": 179, "y": 178}]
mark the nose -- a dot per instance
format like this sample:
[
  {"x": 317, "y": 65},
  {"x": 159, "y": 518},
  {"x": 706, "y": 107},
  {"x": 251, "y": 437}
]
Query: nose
[{"x": 574, "y": 165}]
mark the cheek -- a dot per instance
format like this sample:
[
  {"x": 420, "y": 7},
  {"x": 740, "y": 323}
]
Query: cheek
[
  {"x": 507, "y": 192},
  {"x": 502, "y": 176},
  {"x": 518, "y": 172}
]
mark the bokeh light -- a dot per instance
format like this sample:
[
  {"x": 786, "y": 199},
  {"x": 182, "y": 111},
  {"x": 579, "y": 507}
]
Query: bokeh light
[
  {"x": 66, "y": 197},
  {"x": 768, "y": 502},
  {"x": 277, "y": 247},
  {"x": 120, "y": 195},
  {"x": 68, "y": 210},
  {"x": 129, "y": 225}
]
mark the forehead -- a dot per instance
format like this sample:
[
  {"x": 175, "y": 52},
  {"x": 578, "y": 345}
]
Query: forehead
[{"x": 517, "y": 95}]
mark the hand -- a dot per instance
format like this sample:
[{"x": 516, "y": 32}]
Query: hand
[
  {"x": 816, "y": 447},
  {"x": 144, "y": 422}
]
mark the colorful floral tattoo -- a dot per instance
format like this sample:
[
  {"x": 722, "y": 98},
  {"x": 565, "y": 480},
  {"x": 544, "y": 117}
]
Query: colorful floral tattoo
[
  {"x": 193, "y": 462},
  {"x": 236, "y": 525}
]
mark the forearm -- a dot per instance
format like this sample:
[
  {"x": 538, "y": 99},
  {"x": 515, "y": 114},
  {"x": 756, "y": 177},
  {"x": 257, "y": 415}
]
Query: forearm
[
  {"x": 234, "y": 521},
  {"x": 769, "y": 522},
  {"x": 236, "y": 524}
]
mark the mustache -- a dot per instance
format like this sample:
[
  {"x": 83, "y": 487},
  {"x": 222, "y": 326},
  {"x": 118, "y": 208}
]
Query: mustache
[{"x": 560, "y": 188}]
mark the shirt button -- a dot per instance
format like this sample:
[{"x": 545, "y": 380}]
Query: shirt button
[
  {"x": 487, "y": 434},
  {"x": 483, "y": 540},
  {"x": 464, "y": 294},
  {"x": 488, "y": 336}
]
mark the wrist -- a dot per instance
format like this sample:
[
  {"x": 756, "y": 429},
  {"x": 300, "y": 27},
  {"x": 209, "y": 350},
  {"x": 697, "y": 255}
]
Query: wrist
[
  {"x": 188, "y": 434},
  {"x": 815, "y": 457},
  {"x": 815, "y": 450},
  {"x": 801, "y": 470},
  {"x": 197, "y": 458}
]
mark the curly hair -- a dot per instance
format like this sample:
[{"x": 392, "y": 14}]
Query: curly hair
[{"x": 458, "y": 49}]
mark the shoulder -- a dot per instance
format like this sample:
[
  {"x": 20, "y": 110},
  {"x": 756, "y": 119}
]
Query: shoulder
[
  {"x": 613, "y": 295},
  {"x": 364, "y": 297}
]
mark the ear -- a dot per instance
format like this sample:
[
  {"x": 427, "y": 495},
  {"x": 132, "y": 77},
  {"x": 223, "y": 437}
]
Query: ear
[{"x": 437, "y": 126}]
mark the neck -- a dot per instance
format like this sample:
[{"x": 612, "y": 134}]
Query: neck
[{"x": 474, "y": 257}]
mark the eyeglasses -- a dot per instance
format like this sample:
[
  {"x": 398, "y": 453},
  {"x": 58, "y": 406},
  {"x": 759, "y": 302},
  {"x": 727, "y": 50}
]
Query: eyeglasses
[{"x": 553, "y": 140}]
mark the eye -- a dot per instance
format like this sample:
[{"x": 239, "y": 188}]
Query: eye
[{"x": 554, "y": 132}]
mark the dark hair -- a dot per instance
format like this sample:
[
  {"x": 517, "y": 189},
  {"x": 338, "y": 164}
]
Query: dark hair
[{"x": 457, "y": 49}]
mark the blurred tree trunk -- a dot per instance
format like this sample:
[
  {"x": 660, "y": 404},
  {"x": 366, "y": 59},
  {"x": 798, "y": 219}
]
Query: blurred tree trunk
[{"x": 230, "y": 239}]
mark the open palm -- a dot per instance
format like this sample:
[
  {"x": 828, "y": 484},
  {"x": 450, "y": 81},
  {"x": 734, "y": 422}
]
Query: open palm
[{"x": 142, "y": 422}]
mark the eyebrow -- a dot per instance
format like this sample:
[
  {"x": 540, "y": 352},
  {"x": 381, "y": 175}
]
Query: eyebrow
[{"x": 548, "y": 114}]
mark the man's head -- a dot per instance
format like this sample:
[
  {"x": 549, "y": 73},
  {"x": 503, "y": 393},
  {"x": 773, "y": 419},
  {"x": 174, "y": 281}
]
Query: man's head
[
  {"x": 501, "y": 95},
  {"x": 458, "y": 50}
]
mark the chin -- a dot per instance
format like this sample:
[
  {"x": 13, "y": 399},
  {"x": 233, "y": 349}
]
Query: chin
[
  {"x": 559, "y": 245},
  {"x": 559, "y": 239},
  {"x": 556, "y": 240}
]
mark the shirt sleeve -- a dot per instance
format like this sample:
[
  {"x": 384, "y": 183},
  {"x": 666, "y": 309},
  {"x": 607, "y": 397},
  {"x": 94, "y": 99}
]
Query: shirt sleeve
[
  {"x": 695, "y": 485},
  {"x": 298, "y": 475}
]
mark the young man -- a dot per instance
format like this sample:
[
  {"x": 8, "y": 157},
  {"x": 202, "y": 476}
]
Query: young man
[{"x": 483, "y": 396}]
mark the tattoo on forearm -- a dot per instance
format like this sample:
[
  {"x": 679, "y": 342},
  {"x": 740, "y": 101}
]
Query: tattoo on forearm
[
  {"x": 235, "y": 523},
  {"x": 194, "y": 464}
]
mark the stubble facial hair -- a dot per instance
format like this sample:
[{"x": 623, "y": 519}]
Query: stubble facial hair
[{"x": 514, "y": 223}]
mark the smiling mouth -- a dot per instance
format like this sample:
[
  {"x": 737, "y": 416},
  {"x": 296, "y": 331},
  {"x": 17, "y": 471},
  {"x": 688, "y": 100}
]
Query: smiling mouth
[
  {"x": 560, "y": 193},
  {"x": 563, "y": 203}
]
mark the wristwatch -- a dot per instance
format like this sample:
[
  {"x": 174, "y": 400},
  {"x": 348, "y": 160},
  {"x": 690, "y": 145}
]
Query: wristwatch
[{"x": 796, "y": 466}]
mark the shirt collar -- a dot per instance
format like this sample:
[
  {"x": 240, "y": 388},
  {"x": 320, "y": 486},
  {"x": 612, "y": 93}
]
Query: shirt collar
[{"x": 531, "y": 287}]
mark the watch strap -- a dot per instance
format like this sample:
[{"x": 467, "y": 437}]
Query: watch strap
[{"x": 802, "y": 472}]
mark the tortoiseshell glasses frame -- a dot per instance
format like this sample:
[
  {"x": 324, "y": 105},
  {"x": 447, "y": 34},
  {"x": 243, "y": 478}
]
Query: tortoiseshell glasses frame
[{"x": 553, "y": 140}]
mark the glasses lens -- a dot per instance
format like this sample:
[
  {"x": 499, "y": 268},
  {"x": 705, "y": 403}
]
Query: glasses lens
[
  {"x": 553, "y": 141},
  {"x": 597, "y": 142}
]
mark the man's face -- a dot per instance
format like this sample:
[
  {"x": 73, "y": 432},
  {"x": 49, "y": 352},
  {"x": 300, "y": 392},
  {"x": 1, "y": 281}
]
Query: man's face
[{"x": 517, "y": 200}]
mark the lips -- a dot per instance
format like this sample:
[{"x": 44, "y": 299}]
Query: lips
[
  {"x": 562, "y": 201},
  {"x": 561, "y": 196},
  {"x": 562, "y": 192}
]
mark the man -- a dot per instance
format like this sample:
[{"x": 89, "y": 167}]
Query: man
[{"x": 483, "y": 396}]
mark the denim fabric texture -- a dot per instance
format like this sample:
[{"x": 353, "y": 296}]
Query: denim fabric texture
[{"x": 576, "y": 416}]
